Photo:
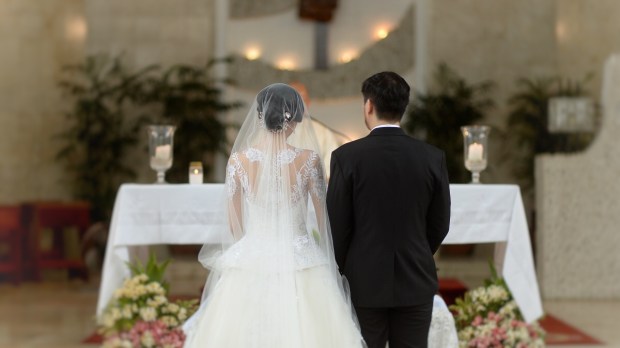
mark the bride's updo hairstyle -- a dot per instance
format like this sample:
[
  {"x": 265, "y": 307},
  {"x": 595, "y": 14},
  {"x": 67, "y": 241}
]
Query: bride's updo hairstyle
[{"x": 277, "y": 105}]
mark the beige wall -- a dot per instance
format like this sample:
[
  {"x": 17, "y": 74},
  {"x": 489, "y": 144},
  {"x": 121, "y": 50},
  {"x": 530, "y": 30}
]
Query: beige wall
[
  {"x": 151, "y": 31},
  {"x": 587, "y": 33},
  {"x": 578, "y": 197},
  {"x": 148, "y": 32},
  {"x": 481, "y": 39},
  {"x": 493, "y": 40},
  {"x": 37, "y": 39}
]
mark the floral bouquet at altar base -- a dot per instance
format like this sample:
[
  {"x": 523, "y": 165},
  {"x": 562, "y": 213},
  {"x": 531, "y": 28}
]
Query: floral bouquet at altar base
[
  {"x": 488, "y": 317},
  {"x": 140, "y": 314}
]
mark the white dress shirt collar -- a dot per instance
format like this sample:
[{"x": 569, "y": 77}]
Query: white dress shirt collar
[{"x": 386, "y": 126}]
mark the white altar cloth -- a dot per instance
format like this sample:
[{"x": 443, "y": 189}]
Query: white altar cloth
[{"x": 187, "y": 214}]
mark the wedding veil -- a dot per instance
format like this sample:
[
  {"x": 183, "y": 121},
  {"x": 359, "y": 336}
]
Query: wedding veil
[{"x": 275, "y": 208}]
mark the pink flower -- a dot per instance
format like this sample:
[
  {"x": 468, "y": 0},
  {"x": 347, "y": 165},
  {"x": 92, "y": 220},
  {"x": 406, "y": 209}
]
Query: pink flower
[{"x": 155, "y": 334}]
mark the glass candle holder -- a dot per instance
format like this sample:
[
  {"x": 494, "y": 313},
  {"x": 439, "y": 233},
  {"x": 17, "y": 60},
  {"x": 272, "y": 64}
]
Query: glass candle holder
[
  {"x": 161, "y": 141},
  {"x": 475, "y": 146},
  {"x": 196, "y": 173}
]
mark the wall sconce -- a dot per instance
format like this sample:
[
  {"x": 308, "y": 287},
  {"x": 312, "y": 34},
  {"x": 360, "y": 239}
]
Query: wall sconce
[
  {"x": 75, "y": 28},
  {"x": 252, "y": 53},
  {"x": 285, "y": 64},
  {"x": 571, "y": 115},
  {"x": 347, "y": 56},
  {"x": 382, "y": 32},
  {"x": 561, "y": 31}
]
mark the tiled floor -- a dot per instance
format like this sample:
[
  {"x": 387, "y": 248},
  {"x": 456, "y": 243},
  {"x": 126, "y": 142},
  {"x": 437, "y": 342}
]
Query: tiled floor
[{"x": 60, "y": 314}]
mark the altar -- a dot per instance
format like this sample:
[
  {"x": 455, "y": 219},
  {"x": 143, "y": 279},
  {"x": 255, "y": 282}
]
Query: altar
[{"x": 188, "y": 214}]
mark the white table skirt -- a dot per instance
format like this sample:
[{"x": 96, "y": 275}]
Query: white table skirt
[{"x": 187, "y": 214}]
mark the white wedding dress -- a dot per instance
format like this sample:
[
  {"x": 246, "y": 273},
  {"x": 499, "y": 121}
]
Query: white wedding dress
[{"x": 275, "y": 289}]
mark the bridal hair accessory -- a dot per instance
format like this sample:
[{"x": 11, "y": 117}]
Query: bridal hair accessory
[{"x": 277, "y": 106}]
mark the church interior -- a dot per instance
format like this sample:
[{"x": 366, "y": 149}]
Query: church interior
[{"x": 82, "y": 82}]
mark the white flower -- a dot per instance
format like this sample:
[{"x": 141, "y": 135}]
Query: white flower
[
  {"x": 182, "y": 314},
  {"x": 147, "y": 339},
  {"x": 170, "y": 321},
  {"x": 148, "y": 314},
  {"x": 115, "y": 313},
  {"x": 497, "y": 293},
  {"x": 173, "y": 307},
  {"x": 107, "y": 321},
  {"x": 127, "y": 312},
  {"x": 155, "y": 288}
]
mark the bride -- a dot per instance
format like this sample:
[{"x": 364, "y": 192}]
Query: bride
[{"x": 273, "y": 280}]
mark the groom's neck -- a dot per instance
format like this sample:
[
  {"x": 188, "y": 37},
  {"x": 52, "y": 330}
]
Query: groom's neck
[{"x": 378, "y": 122}]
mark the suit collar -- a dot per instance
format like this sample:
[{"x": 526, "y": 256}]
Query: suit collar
[{"x": 387, "y": 131}]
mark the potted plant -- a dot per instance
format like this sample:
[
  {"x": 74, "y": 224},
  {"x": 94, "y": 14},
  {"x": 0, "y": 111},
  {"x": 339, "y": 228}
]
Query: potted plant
[
  {"x": 101, "y": 128},
  {"x": 188, "y": 97},
  {"x": 528, "y": 124},
  {"x": 437, "y": 118}
]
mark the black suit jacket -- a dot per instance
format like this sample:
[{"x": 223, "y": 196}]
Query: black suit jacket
[{"x": 388, "y": 201}]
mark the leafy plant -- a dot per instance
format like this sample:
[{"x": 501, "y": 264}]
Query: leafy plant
[
  {"x": 101, "y": 129},
  {"x": 153, "y": 270},
  {"x": 188, "y": 97},
  {"x": 142, "y": 307},
  {"x": 438, "y": 116},
  {"x": 109, "y": 115},
  {"x": 528, "y": 123},
  {"x": 488, "y": 316}
]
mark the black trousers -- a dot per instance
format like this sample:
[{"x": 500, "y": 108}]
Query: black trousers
[{"x": 402, "y": 327}]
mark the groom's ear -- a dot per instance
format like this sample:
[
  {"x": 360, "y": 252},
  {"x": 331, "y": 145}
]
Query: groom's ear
[{"x": 369, "y": 107}]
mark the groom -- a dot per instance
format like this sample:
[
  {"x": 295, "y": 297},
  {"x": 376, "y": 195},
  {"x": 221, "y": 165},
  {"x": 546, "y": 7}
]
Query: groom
[{"x": 389, "y": 206}]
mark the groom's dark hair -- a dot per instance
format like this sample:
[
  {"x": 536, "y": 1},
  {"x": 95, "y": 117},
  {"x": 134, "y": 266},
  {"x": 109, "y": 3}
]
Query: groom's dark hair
[{"x": 389, "y": 93}]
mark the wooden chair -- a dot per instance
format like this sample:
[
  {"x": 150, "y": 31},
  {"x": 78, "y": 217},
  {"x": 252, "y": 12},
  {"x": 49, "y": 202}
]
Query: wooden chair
[
  {"x": 55, "y": 231},
  {"x": 11, "y": 234}
]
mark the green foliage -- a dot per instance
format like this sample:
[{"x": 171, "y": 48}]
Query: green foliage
[
  {"x": 491, "y": 297},
  {"x": 143, "y": 298},
  {"x": 528, "y": 123},
  {"x": 439, "y": 115},
  {"x": 153, "y": 270},
  {"x": 109, "y": 115},
  {"x": 101, "y": 129},
  {"x": 188, "y": 97}
]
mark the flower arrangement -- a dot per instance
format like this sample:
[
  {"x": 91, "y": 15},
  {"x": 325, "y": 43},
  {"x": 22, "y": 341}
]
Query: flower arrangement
[
  {"x": 488, "y": 317},
  {"x": 140, "y": 314}
]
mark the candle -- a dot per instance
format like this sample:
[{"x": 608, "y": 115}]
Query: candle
[
  {"x": 195, "y": 173},
  {"x": 162, "y": 158},
  {"x": 162, "y": 152},
  {"x": 474, "y": 152}
]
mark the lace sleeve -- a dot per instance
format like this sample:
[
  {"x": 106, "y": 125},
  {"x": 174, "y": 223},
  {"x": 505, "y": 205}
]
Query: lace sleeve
[
  {"x": 234, "y": 185},
  {"x": 317, "y": 190}
]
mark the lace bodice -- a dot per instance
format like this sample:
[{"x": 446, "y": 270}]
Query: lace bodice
[
  {"x": 308, "y": 177},
  {"x": 286, "y": 184}
]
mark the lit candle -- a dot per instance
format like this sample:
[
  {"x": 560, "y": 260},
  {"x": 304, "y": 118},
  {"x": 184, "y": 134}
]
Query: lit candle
[
  {"x": 474, "y": 152},
  {"x": 162, "y": 152},
  {"x": 162, "y": 158},
  {"x": 195, "y": 173}
]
